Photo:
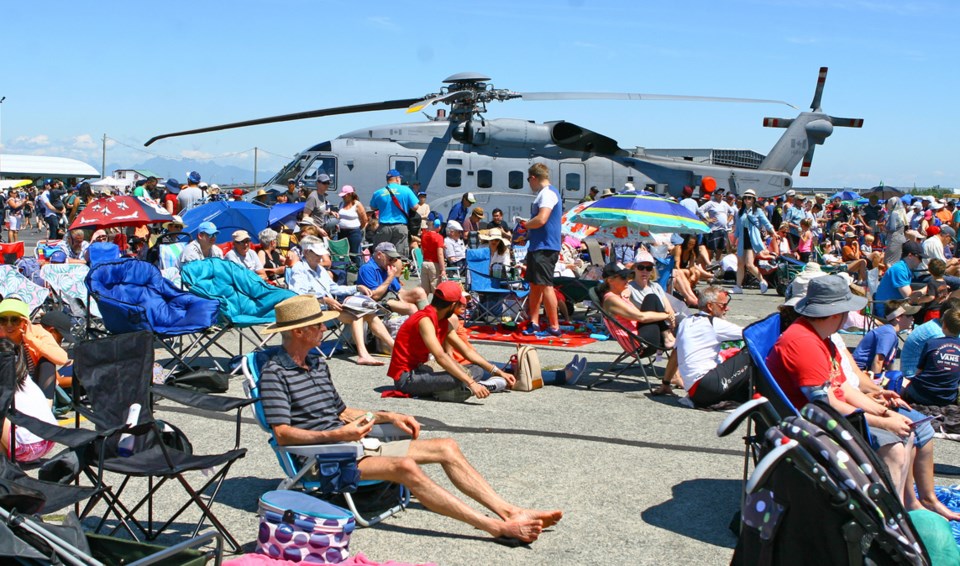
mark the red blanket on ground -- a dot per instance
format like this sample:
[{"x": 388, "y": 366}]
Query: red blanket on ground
[{"x": 567, "y": 339}]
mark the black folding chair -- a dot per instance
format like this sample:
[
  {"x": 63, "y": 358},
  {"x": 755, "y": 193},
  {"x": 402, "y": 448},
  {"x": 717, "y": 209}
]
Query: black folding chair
[{"x": 116, "y": 373}]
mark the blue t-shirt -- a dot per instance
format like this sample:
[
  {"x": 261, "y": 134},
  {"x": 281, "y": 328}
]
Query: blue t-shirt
[
  {"x": 389, "y": 213},
  {"x": 938, "y": 373},
  {"x": 880, "y": 341},
  {"x": 913, "y": 345},
  {"x": 897, "y": 276},
  {"x": 458, "y": 212},
  {"x": 372, "y": 276}
]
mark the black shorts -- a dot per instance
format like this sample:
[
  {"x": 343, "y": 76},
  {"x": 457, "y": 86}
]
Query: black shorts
[
  {"x": 716, "y": 240},
  {"x": 540, "y": 266}
]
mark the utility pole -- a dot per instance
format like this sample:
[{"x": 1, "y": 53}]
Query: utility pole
[
  {"x": 1, "y": 134},
  {"x": 103, "y": 163},
  {"x": 255, "y": 151}
]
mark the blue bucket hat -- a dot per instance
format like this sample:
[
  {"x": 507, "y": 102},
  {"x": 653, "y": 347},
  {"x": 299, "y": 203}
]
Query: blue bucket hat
[
  {"x": 173, "y": 186},
  {"x": 193, "y": 177}
]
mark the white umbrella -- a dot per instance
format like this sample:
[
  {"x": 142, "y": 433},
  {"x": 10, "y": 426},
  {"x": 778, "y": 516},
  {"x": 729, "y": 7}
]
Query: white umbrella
[{"x": 109, "y": 181}]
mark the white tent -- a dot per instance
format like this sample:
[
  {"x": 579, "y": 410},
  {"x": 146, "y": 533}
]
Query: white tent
[{"x": 109, "y": 181}]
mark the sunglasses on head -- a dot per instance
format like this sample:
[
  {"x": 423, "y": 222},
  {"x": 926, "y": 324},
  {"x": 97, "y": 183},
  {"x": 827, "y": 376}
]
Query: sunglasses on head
[{"x": 643, "y": 267}]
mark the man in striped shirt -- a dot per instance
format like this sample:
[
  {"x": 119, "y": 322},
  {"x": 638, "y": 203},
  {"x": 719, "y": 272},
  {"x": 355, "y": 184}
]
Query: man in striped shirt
[{"x": 302, "y": 406}]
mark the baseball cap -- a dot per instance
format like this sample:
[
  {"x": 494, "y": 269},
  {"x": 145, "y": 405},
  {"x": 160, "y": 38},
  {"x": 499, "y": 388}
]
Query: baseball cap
[
  {"x": 58, "y": 257},
  {"x": 238, "y": 192},
  {"x": 323, "y": 178},
  {"x": 388, "y": 249},
  {"x": 450, "y": 291},
  {"x": 454, "y": 225},
  {"x": 61, "y": 322},
  {"x": 470, "y": 198},
  {"x": 421, "y": 194},
  {"x": 241, "y": 235},
  {"x": 791, "y": 193},
  {"x": 15, "y": 306},
  {"x": 193, "y": 177},
  {"x": 613, "y": 268},
  {"x": 208, "y": 228},
  {"x": 291, "y": 181},
  {"x": 393, "y": 173},
  {"x": 315, "y": 245},
  {"x": 912, "y": 248},
  {"x": 948, "y": 231},
  {"x": 347, "y": 190}
]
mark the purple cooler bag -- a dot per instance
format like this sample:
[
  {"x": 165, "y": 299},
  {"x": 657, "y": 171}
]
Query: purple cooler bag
[{"x": 298, "y": 527}]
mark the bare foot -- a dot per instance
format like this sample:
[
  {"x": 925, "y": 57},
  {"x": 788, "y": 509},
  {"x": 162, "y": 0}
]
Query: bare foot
[
  {"x": 369, "y": 362},
  {"x": 669, "y": 340},
  {"x": 548, "y": 518},
  {"x": 937, "y": 507},
  {"x": 525, "y": 530}
]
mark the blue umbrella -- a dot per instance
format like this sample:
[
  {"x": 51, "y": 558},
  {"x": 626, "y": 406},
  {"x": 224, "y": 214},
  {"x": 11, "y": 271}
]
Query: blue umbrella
[
  {"x": 845, "y": 195},
  {"x": 228, "y": 217},
  {"x": 285, "y": 213}
]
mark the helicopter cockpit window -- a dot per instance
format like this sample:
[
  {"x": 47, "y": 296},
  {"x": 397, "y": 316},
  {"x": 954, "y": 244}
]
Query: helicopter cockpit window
[
  {"x": 571, "y": 182},
  {"x": 454, "y": 177},
  {"x": 319, "y": 165},
  {"x": 484, "y": 179},
  {"x": 515, "y": 180}
]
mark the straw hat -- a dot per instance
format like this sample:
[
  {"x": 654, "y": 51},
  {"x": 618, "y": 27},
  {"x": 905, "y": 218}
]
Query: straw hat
[
  {"x": 297, "y": 312},
  {"x": 494, "y": 234}
]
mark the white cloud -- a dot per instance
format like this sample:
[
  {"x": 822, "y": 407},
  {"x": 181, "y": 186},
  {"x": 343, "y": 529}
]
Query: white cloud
[
  {"x": 37, "y": 140},
  {"x": 84, "y": 141},
  {"x": 194, "y": 154},
  {"x": 383, "y": 22}
]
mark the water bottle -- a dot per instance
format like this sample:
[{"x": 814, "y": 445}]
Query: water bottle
[
  {"x": 125, "y": 446},
  {"x": 406, "y": 272}
]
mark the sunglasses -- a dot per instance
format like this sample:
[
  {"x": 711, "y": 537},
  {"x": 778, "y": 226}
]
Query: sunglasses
[
  {"x": 724, "y": 305},
  {"x": 10, "y": 320},
  {"x": 644, "y": 267}
]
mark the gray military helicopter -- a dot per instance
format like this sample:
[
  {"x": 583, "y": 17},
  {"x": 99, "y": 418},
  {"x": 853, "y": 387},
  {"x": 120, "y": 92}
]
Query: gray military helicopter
[{"x": 462, "y": 151}]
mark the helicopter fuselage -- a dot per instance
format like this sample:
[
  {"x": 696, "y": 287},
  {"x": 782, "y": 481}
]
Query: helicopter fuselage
[{"x": 490, "y": 158}]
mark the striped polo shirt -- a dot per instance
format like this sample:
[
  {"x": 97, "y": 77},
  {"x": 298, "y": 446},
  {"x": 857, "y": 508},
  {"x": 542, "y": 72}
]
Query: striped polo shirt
[{"x": 302, "y": 398}]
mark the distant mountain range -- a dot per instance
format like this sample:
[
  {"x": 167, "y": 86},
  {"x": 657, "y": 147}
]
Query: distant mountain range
[{"x": 209, "y": 171}]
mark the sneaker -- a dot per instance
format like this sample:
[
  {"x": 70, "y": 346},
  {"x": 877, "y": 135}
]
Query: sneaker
[
  {"x": 531, "y": 329},
  {"x": 458, "y": 394},
  {"x": 763, "y": 286},
  {"x": 737, "y": 290},
  {"x": 554, "y": 332},
  {"x": 579, "y": 367},
  {"x": 494, "y": 384}
]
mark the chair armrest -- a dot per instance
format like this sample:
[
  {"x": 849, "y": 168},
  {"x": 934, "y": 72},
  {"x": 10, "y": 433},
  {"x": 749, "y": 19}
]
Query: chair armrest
[
  {"x": 337, "y": 448},
  {"x": 71, "y": 437},
  {"x": 217, "y": 403}
]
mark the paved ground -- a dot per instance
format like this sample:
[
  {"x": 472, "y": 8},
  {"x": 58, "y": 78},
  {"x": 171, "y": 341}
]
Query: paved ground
[{"x": 641, "y": 480}]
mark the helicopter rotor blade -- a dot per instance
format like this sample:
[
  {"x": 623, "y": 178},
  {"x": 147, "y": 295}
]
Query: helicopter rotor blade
[
  {"x": 541, "y": 96},
  {"x": 846, "y": 122},
  {"x": 821, "y": 79},
  {"x": 369, "y": 107},
  {"x": 807, "y": 161}
]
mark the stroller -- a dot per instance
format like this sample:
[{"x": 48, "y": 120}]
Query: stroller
[{"x": 819, "y": 495}]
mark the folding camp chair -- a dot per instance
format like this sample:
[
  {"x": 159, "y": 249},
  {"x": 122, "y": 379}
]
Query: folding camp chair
[
  {"x": 11, "y": 252},
  {"x": 57, "y": 495},
  {"x": 595, "y": 250},
  {"x": 341, "y": 257},
  {"x": 493, "y": 300},
  {"x": 165, "y": 252},
  {"x": 100, "y": 252},
  {"x": 636, "y": 352},
  {"x": 116, "y": 374},
  {"x": 44, "y": 249},
  {"x": 289, "y": 457},
  {"x": 245, "y": 300},
  {"x": 69, "y": 292},
  {"x": 133, "y": 296},
  {"x": 14, "y": 285}
]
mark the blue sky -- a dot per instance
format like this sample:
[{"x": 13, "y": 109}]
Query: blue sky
[{"x": 73, "y": 71}]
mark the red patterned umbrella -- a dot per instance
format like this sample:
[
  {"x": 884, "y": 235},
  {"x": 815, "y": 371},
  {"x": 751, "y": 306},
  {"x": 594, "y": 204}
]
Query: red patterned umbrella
[{"x": 116, "y": 211}]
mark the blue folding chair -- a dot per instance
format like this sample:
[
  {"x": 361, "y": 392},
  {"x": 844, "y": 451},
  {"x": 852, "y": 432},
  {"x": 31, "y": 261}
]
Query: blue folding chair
[
  {"x": 492, "y": 298},
  {"x": 323, "y": 454},
  {"x": 760, "y": 338}
]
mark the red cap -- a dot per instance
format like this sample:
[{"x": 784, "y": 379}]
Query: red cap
[
  {"x": 450, "y": 291},
  {"x": 238, "y": 192},
  {"x": 933, "y": 231}
]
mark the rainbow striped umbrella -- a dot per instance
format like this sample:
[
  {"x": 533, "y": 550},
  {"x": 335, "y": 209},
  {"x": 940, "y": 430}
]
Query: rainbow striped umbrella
[
  {"x": 584, "y": 231},
  {"x": 644, "y": 213}
]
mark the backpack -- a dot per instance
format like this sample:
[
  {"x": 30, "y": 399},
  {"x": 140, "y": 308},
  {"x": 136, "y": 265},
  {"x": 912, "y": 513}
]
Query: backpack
[{"x": 526, "y": 368}]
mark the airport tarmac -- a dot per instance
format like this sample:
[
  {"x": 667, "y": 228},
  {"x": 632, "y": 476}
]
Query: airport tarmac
[{"x": 641, "y": 480}]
